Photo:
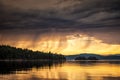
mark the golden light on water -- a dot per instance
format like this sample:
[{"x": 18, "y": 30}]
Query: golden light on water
[
  {"x": 70, "y": 71},
  {"x": 67, "y": 45}
]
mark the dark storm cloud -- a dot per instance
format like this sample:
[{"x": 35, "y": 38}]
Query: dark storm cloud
[
  {"x": 92, "y": 17},
  {"x": 95, "y": 11},
  {"x": 32, "y": 20}
]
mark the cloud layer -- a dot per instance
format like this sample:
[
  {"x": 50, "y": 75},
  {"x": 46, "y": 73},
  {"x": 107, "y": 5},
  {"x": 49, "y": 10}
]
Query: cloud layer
[{"x": 33, "y": 19}]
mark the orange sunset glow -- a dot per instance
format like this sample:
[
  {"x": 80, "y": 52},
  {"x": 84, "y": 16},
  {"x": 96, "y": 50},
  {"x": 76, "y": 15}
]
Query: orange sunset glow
[
  {"x": 61, "y": 26},
  {"x": 67, "y": 45},
  {"x": 59, "y": 39}
]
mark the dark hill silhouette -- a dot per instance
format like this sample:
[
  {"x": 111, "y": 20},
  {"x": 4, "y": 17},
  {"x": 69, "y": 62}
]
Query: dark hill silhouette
[
  {"x": 13, "y": 53},
  {"x": 90, "y": 56},
  {"x": 80, "y": 58},
  {"x": 86, "y": 58}
]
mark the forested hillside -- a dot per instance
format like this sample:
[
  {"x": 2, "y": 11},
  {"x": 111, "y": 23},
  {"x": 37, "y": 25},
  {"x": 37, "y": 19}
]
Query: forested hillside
[{"x": 13, "y": 53}]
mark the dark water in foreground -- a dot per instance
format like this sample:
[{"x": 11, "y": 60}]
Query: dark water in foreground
[{"x": 70, "y": 70}]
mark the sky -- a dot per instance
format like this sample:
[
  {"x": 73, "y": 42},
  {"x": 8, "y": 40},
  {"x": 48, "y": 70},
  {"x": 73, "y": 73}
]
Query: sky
[{"x": 61, "y": 26}]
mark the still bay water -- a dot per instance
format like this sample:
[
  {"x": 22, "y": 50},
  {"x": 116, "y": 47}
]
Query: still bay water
[{"x": 59, "y": 70}]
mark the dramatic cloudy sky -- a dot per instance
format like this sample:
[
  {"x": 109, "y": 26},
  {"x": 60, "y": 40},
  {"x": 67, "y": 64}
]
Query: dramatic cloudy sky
[{"x": 61, "y": 26}]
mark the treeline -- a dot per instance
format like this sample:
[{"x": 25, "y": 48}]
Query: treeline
[
  {"x": 13, "y": 53},
  {"x": 84, "y": 58}
]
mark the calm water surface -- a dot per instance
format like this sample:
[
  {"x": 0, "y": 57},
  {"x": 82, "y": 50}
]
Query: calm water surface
[{"x": 69, "y": 70}]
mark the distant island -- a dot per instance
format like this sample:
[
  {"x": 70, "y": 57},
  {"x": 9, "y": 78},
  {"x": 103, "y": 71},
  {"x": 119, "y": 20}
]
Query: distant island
[
  {"x": 13, "y": 53},
  {"x": 90, "y": 56}
]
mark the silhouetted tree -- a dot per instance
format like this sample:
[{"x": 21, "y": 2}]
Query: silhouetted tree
[
  {"x": 80, "y": 58},
  {"x": 13, "y": 53},
  {"x": 92, "y": 58},
  {"x": 84, "y": 58}
]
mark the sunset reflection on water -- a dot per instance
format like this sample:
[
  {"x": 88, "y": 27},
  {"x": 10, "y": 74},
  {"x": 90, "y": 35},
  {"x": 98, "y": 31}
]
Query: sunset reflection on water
[{"x": 67, "y": 71}]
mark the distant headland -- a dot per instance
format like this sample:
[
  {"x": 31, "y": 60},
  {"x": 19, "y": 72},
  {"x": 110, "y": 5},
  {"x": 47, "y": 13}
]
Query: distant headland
[
  {"x": 12, "y": 53},
  {"x": 91, "y": 56}
]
